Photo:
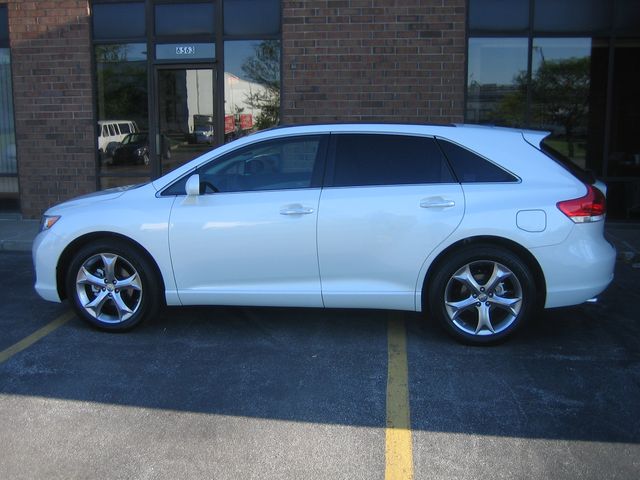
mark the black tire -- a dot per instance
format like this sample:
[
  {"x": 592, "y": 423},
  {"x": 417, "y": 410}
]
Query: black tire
[
  {"x": 94, "y": 292},
  {"x": 474, "y": 306}
]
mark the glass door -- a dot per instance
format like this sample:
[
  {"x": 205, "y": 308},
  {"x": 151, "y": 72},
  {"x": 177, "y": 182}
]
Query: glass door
[{"x": 185, "y": 113}]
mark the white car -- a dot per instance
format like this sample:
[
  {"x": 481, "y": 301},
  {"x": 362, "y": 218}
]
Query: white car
[{"x": 478, "y": 226}]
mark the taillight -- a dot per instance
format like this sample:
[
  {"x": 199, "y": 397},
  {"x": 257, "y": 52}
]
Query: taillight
[{"x": 590, "y": 208}]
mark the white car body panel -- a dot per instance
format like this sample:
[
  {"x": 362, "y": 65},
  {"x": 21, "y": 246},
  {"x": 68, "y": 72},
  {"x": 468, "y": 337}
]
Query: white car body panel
[
  {"x": 373, "y": 240},
  {"x": 361, "y": 247},
  {"x": 246, "y": 248},
  {"x": 135, "y": 213}
]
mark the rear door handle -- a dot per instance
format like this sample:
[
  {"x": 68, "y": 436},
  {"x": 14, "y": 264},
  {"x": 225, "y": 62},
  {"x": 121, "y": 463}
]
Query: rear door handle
[
  {"x": 439, "y": 203},
  {"x": 296, "y": 210}
]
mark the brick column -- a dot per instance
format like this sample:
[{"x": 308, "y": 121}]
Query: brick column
[
  {"x": 373, "y": 60},
  {"x": 55, "y": 132}
]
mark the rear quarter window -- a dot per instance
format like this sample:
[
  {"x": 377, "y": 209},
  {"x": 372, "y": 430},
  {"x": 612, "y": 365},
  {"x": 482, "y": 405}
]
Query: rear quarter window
[{"x": 469, "y": 167}]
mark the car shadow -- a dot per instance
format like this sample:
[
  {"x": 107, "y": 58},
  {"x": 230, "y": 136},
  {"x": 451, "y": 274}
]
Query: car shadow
[{"x": 573, "y": 374}]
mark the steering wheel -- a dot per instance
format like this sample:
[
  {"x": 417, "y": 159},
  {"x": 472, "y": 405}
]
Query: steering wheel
[{"x": 204, "y": 186}]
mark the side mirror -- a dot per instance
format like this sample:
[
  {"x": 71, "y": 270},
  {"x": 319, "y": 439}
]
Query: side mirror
[{"x": 193, "y": 185}]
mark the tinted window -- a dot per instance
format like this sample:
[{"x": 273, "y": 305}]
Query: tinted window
[
  {"x": 272, "y": 165},
  {"x": 627, "y": 16},
  {"x": 251, "y": 18},
  {"x": 124, "y": 128},
  {"x": 4, "y": 25},
  {"x": 472, "y": 168},
  {"x": 571, "y": 15},
  {"x": 118, "y": 20},
  {"x": 499, "y": 14},
  {"x": 388, "y": 160},
  {"x": 184, "y": 19}
]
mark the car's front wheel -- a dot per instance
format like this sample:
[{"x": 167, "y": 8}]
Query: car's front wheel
[
  {"x": 482, "y": 294},
  {"x": 112, "y": 286}
]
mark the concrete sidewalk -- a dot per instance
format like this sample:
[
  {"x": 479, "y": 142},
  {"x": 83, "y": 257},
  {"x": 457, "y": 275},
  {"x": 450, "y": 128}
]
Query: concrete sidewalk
[{"x": 16, "y": 235}]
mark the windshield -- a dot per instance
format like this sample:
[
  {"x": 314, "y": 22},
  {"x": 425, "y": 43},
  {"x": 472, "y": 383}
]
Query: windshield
[{"x": 134, "y": 138}]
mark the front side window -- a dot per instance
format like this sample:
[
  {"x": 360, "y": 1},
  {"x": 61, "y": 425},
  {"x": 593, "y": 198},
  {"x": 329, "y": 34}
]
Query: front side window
[
  {"x": 271, "y": 165},
  {"x": 367, "y": 159},
  {"x": 274, "y": 165}
]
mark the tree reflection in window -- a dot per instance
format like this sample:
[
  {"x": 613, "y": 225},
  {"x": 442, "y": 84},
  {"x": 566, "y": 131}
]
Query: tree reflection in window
[
  {"x": 264, "y": 69},
  {"x": 122, "y": 82},
  {"x": 252, "y": 86}
]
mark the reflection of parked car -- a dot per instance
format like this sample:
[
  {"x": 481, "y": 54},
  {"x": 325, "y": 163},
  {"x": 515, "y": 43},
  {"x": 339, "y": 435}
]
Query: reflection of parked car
[
  {"x": 134, "y": 149},
  {"x": 203, "y": 134},
  {"x": 110, "y": 131}
]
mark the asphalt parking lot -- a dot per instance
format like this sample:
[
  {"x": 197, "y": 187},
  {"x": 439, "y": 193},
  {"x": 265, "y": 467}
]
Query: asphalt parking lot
[{"x": 235, "y": 393}]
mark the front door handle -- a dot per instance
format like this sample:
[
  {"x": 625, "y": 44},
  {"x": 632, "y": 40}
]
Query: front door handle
[
  {"x": 437, "y": 203},
  {"x": 296, "y": 210}
]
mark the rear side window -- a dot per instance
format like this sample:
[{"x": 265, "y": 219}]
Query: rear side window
[
  {"x": 470, "y": 167},
  {"x": 369, "y": 159},
  {"x": 124, "y": 128}
]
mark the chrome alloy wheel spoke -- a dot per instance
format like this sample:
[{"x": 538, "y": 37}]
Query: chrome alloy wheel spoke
[
  {"x": 102, "y": 294},
  {"x": 483, "y": 298},
  {"x": 109, "y": 262},
  {"x": 465, "y": 276},
  {"x": 97, "y": 303},
  {"x": 512, "y": 305},
  {"x": 498, "y": 275},
  {"x": 87, "y": 278},
  {"x": 123, "y": 310},
  {"x": 455, "y": 308},
  {"x": 132, "y": 282},
  {"x": 484, "y": 319}
]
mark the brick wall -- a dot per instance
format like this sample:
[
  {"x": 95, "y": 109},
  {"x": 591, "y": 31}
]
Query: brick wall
[
  {"x": 55, "y": 133},
  {"x": 373, "y": 60}
]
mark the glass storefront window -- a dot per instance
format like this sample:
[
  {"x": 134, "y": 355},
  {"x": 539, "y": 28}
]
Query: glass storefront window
[
  {"x": 185, "y": 115},
  {"x": 184, "y": 19},
  {"x": 159, "y": 79},
  {"x": 623, "y": 157},
  {"x": 571, "y": 15},
  {"x": 499, "y": 15},
  {"x": 563, "y": 99},
  {"x": 118, "y": 20},
  {"x": 252, "y": 86},
  {"x": 9, "y": 199},
  {"x": 121, "y": 71},
  {"x": 497, "y": 81},
  {"x": 251, "y": 18}
]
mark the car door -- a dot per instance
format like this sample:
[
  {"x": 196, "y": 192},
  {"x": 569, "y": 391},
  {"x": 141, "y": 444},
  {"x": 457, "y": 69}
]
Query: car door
[
  {"x": 390, "y": 200},
  {"x": 250, "y": 237}
]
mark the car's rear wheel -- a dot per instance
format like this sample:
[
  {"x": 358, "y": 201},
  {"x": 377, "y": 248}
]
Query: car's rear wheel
[
  {"x": 112, "y": 286},
  {"x": 482, "y": 294}
]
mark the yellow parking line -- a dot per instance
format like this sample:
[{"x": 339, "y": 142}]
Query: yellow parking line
[
  {"x": 398, "y": 442},
  {"x": 35, "y": 336}
]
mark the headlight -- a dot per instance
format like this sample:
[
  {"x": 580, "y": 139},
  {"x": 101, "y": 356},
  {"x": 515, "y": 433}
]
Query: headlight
[
  {"x": 48, "y": 221},
  {"x": 140, "y": 151}
]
